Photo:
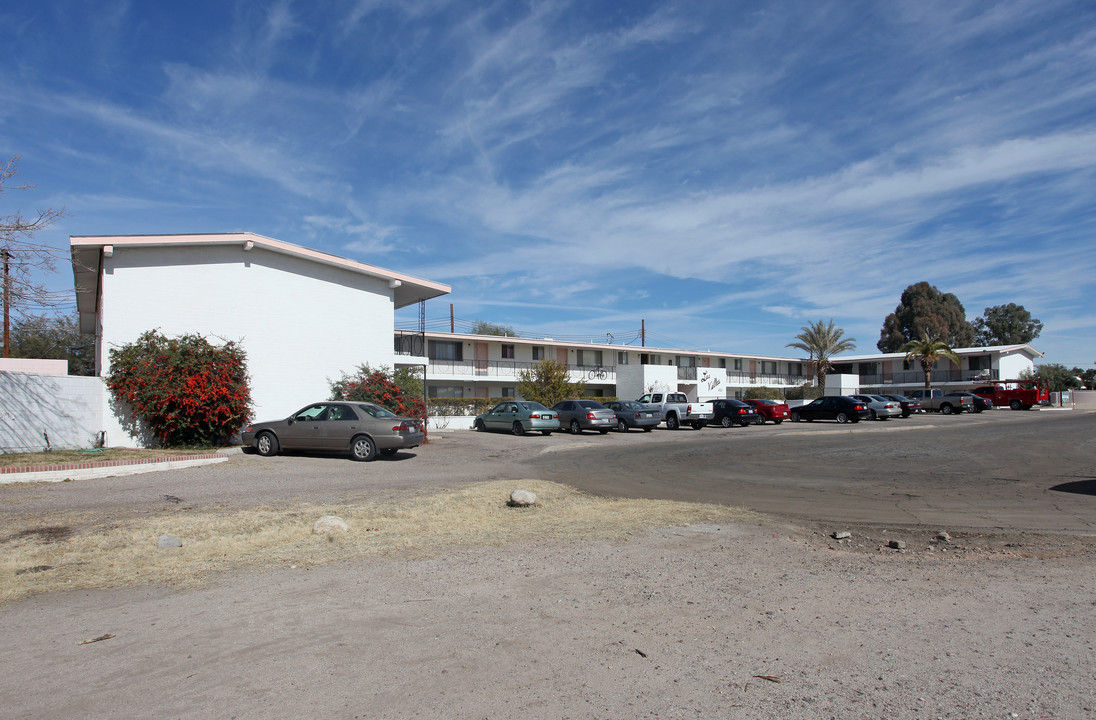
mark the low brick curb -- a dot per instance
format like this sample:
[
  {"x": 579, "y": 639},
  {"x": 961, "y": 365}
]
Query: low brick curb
[{"x": 60, "y": 472}]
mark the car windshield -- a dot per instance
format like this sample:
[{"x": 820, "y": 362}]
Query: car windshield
[
  {"x": 590, "y": 405},
  {"x": 530, "y": 405},
  {"x": 631, "y": 405},
  {"x": 375, "y": 410},
  {"x": 765, "y": 402}
]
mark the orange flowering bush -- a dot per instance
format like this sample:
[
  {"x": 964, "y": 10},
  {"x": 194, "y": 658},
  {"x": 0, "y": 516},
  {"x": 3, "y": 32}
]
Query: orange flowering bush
[
  {"x": 184, "y": 390},
  {"x": 377, "y": 386}
]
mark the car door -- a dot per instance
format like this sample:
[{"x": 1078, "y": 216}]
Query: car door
[
  {"x": 339, "y": 425},
  {"x": 303, "y": 430},
  {"x": 495, "y": 417}
]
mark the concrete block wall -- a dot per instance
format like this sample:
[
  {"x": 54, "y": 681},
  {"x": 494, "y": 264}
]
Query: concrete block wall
[{"x": 56, "y": 411}]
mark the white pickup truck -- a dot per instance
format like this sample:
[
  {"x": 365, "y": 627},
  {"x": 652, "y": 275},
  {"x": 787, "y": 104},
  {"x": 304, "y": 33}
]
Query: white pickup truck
[{"x": 676, "y": 409}]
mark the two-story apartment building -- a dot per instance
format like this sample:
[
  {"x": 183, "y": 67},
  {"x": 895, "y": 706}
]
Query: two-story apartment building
[
  {"x": 481, "y": 366},
  {"x": 467, "y": 366}
]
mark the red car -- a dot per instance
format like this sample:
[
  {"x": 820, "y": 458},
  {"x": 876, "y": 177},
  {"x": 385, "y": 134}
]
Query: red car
[{"x": 770, "y": 410}]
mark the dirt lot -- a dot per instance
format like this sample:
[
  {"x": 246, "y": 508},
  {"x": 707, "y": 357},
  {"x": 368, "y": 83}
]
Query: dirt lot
[{"x": 761, "y": 616}]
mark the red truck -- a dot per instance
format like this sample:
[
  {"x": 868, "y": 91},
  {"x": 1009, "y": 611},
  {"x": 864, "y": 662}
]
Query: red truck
[{"x": 1017, "y": 394}]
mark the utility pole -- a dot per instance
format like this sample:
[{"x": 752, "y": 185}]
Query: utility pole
[
  {"x": 7, "y": 303},
  {"x": 643, "y": 333}
]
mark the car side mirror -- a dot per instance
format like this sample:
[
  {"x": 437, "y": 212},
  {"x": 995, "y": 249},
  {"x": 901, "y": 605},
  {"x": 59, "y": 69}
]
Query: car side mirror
[{"x": 289, "y": 421}]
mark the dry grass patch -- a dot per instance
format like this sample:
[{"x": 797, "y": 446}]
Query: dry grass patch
[
  {"x": 92, "y": 553},
  {"x": 58, "y": 457}
]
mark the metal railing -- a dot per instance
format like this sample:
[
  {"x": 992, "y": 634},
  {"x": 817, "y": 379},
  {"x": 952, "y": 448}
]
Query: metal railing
[
  {"x": 917, "y": 377},
  {"x": 510, "y": 369},
  {"x": 735, "y": 377},
  {"x": 410, "y": 343}
]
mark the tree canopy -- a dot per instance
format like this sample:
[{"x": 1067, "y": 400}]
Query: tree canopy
[
  {"x": 1008, "y": 324},
  {"x": 547, "y": 383},
  {"x": 821, "y": 341},
  {"x": 923, "y": 309},
  {"x": 1058, "y": 377},
  {"x": 54, "y": 337},
  {"x": 22, "y": 257},
  {"x": 482, "y": 327}
]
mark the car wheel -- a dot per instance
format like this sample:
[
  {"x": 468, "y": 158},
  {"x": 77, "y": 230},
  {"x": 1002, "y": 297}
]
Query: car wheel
[
  {"x": 266, "y": 444},
  {"x": 479, "y": 426},
  {"x": 545, "y": 433},
  {"x": 777, "y": 421},
  {"x": 725, "y": 421},
  {"x": 575, "y": 429},
  {"x": 761, "y": 420},
  {"x": 874, "y": 416},
  {"x": 604, "y": 431},
  {"x": 795, "y": 417},
  {"x": 648, "y": 429},
  {"x": 671, "y": 422},
  {"x": 518, "y": 428},
  {"x": 842, "y": 418},
  {"x": 622, "y": 426},
  {"x": 389, "y": 452},
  {"x": 362, "y": 448},
  {"x": 946, "y": 408},
  {"x": 1015, "y": 404}
]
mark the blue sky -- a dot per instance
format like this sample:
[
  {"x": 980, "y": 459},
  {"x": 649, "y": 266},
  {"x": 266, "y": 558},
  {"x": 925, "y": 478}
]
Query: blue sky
[{"x": 725, "y": 171}]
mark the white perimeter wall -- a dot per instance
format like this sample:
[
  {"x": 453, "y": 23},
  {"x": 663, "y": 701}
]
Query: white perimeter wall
[
  {"x": 300, "y": 322},
  {"x": 72, "y": 410}
]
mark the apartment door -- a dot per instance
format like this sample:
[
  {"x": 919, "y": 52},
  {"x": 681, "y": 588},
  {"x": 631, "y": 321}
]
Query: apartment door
[
  {"x": 481, "y": 358},
  {"x": 561, "y": 356}
]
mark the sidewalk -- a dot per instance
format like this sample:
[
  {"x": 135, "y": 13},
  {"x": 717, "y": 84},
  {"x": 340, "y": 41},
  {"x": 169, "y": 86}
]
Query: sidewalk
[{"x": 63, "y": 472}]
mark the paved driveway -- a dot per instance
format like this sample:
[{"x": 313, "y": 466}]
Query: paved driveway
[{"x": 1000, "y": 469}]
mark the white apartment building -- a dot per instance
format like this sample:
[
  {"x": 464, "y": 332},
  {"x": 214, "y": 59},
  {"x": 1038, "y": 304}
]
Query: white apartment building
[{"x": 487, "y": 366}]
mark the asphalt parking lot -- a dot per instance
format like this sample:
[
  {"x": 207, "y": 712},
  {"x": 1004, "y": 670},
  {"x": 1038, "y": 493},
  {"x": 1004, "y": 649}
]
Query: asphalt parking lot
[{"x": 1002, "y": 470}]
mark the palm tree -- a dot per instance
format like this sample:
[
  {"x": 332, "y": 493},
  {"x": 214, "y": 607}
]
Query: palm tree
[
  {"x": 928, "y": 350},
  {"x": 821, "y": 342}
]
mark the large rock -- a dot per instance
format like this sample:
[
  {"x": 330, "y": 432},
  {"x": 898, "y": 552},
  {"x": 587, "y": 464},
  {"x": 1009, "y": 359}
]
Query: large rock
[
  {"x": 330, "y": 525},
  {"x": 522, "y": 498},
  {"x": 166, "y": 542}
]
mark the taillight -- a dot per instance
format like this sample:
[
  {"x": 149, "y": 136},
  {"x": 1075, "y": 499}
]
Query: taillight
[
  {"x": 688, "y": 408},
  {"x": 637, "y": 416},
  {"x": 534, "y": 416},
  {"x": 590, "y": 416}
]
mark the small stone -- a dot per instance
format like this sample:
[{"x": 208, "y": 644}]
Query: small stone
[
  {"x": 842, "y": 535},
  {"x": 166, "y": 542},
  {"x": 330, "y": 525},
  {"x": 897, "y": 544},
  {"x": 522, "y": 498},
  {"x": 943, "y": 537}
]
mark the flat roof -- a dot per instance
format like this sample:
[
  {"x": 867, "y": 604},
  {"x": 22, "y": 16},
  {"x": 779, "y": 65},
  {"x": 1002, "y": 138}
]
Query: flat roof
[{"x": 87, "y": 253}]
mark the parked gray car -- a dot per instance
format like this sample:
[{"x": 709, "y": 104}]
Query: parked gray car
[
  {"x": 881, "y": 408},
  {"x": 631, "y": 414},
  {"x": 579, "y": 415},
  {"x": 359, "y": 428},
  {"x": 519, "y": 417}
]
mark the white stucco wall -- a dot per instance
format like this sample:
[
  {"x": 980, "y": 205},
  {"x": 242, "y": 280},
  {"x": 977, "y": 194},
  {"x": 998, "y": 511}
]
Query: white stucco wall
[
  {"x": 1013, "y": 364},
  {"x": 71, "y": 410},
  {"x": 300, "y": 322}
]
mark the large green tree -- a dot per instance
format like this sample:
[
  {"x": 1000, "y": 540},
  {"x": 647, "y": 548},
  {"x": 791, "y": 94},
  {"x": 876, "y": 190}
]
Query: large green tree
[
  {"x": 821, "y": 341},
  {"x": 924, "y": 309},
  {"x": 547, "y": 383},
  {"x": 54, "y": 337},
  {"x": 927, "y": 350},
  {"x": 482, "y": 327},
  {"x": 1008, "y": 324},
  {"x": 1058, "y": 377}
]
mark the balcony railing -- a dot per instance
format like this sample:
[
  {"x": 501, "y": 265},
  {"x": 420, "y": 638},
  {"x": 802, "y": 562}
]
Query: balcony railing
[
  {"x": 410, "y": 343},
  {"x": 735, "y": 377},
  {"x": 510, "y": 369},
  {"x": 917, "y": 377},
  {"x": 686, "y": 373}
]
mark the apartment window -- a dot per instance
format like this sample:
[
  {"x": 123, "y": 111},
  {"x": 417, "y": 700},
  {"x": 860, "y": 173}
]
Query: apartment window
[
  {"x": 768, "y": 367},
  {"x": 589, "y": 357},
  {"x": 685, "y": 361},
  {"x": 738, "y": 363},
  {"x": 446, "y": 350},
  {"x": 508, "y": 392},
  {"x": 622, "y": 357},
  {"x": 445, "y": 391},
  {"x": 795, "y": 368},
  {"x": 721, "y": 363},
  {"x": 842, "y": 369},
  {"x": 507, "y": 352},
  {"x": 656, "y": 360},
  {"x": 868, "y": 369},
  {"x": 980, "y": 362},
  {"x": 538, "y": 353}
]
